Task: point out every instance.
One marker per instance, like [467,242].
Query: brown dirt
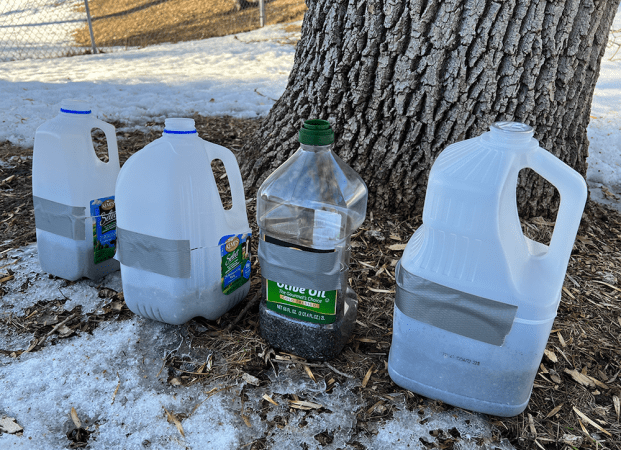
[148,22]
[576,390]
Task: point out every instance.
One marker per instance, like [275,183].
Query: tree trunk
[400,80]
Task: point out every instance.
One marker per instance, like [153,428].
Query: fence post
[262,13]
[90,27]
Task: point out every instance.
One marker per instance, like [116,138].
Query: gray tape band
[60,219]
[157,255]
[474,317]
[321,271]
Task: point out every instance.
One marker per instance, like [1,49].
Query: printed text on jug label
[103,212]
[309,305]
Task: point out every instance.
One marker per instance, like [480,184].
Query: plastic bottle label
[304,304]
[103,212]
[235,253]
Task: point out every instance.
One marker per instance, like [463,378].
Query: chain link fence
[54,28]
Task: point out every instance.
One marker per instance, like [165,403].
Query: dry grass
[148,22]
[575,400]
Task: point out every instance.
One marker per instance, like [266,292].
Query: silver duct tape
[167,257]
[321,271]
[464,314]
[60,219]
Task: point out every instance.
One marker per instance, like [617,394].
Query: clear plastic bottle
[182,254]
[306,211]
[476,299]
[73,195]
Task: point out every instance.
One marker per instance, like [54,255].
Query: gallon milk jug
[475,298]
[73,195]
[182,254]
[307,210]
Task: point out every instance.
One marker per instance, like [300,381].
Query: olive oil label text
[309,305]
[235,253]
[103,212]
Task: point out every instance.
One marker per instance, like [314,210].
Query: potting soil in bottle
[306,211]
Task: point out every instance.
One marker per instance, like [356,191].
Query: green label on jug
[103,212]
[235,253]
[304,304]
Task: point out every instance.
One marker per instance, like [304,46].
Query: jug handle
[232,171]
[573,191]
[110,132]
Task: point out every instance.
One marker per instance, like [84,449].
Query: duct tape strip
[167,257]
[474,317]
[321,271]
[60,219]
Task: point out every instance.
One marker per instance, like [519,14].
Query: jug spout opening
[514,131]
[179,126]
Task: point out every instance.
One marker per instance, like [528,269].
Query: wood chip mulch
[575,401]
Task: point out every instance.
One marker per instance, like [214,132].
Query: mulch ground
[575,400]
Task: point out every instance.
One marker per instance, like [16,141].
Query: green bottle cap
[316,132]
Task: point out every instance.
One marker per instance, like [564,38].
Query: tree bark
[400,80]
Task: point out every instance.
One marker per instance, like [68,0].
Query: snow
[112,377]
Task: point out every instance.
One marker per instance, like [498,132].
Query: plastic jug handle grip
[109,131]
[573,191]
[232,171]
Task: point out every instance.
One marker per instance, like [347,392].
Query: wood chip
[551,355]
[117,389]
[367,377]
[580,378]
[269,399]
[9,425]
[561,340]
[554,411]
[173,419]
[367,340]
[5,279]
[309,372]
[372,408]
[250,379]
[381,291]
[304,405]
[397,247]
[586,419]
[566,291]
[531,425]
[75,418]
[617,404]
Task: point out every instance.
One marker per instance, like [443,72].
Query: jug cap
[316,132]
[70,106]
[512,127]
[179,126]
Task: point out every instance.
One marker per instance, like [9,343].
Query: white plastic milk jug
[475,298]
[73,195]
[182,254]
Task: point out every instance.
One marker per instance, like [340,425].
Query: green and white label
[309,305]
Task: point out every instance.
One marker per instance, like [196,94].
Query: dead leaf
[173,419]
[9,425]
[555,377]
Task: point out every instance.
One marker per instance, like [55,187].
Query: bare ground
[575,400]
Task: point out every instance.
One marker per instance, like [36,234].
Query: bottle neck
[316,148]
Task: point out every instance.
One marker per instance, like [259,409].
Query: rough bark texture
[400,80]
